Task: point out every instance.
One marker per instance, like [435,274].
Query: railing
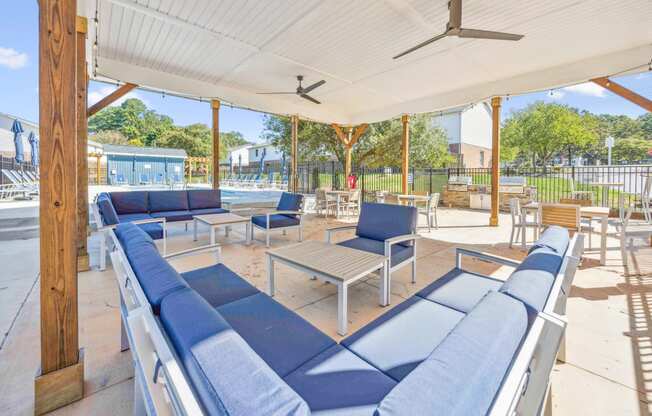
[11,164]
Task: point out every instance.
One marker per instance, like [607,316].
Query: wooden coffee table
[214,221]
[339,265]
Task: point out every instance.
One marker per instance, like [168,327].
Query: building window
[482,158]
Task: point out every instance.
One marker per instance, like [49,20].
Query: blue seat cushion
[204,198]
[289,202]
[134,217]
[459,289]
[168,201]
[340,382]
[281,337]
[383,221]
[107,211]
[533,278]
[204,211]
[401,339]
[154,230]
[225,373]
[399,253]
[218,284]
[555,238]
[134,202]
[463,374]
[172,216]
[275,221]
[129,234]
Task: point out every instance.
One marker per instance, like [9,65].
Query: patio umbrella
[283,164]
[239,164]
[262,162]
[231,164]
[17,129]
[33,142]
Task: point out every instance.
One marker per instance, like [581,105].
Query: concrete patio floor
[609,339]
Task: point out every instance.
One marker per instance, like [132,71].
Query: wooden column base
[83,263]
[59,388]
[493,222]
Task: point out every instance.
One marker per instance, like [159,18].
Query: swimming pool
[240,196]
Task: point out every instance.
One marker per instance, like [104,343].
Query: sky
[19,85]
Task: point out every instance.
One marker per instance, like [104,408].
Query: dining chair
[428,208]
[323,203]
[645,198]
[519,218]
[586,224]
[563,215]
[575,194]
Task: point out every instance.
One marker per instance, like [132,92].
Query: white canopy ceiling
[232,49]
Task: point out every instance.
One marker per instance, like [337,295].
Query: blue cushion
[154,230]
[459,289]
[157,278]
[134,202]
[107,211]
[463,374]
[168,201]
[227,376]
[555,238]
[281,337]
[383,221]
[401,339]
[340,382]
[218,284]
[399,253]
[134,217]
[172,216]
[129,234]
[290,202]
[533,278]
[275,221]
[204,211]
[204,198]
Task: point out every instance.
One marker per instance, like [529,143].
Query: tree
[232,139]
[110,137]
[631,150]
[317,141]
[646,125]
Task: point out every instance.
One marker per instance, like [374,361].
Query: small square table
[339,265]
[214,221]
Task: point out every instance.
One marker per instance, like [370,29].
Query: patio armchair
[286,216]
[389,230]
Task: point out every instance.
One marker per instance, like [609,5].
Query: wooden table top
[220,219]
[341,263]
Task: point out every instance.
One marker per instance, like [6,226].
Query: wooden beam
[340,133]
[82,147]
[359,131]
[495,159]
[115,95]
[215,106]
[405,153]
[347,158]
[626,93]
[294,121]
[58,208]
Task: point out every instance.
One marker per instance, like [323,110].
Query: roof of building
[114,149]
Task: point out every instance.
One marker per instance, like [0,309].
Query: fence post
[362,183]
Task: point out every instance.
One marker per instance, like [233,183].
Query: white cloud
[12,59]
[95,96]
[587,88]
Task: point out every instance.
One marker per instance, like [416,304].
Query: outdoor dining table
[412,200]
[585,212]
[340,196]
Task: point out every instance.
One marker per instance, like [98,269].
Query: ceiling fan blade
[421,45]
[455,10]
[487,34]
[273,93]
[309,98]
[313,86]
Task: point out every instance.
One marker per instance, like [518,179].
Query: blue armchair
[287,215]
[385,229]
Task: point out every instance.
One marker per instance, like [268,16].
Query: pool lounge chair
[144,179]
[286,216]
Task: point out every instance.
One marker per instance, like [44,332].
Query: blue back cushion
[107,211]
[226,374]
[129,202]
[204,198]
[533,278]
[383,221]
[464,373]
[290,202]
[168,201]
[130,234]
[555,238]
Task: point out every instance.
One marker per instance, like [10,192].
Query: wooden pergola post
[405,153]
[623,92]
[495,159]
[294,176]
[61,377]
[348,141]
[109,99]
[82,147]
[215,106]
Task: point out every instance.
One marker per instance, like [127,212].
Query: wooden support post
[405,153]
[61,377]
[99,169]
[348,141]
[495,159]
[627,94]
[82,147]
[106,101]
[347,158]
[215,106]
[294,177]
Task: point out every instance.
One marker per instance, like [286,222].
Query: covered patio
[237,54]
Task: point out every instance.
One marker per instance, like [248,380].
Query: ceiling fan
[454,28]
[301,91]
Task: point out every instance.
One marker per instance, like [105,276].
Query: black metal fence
[9,163]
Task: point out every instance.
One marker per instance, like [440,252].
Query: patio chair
[645,198]
[352,202]
[586,224]
[389,230]
[286,216]
[563,215]
[144,179]
[323,202]
[518,220]
[120,179]
[430,209]
[574,194]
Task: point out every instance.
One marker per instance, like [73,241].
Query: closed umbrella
[17,129]
[33,142]
[262,162]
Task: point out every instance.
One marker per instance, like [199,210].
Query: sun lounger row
[207,342]
[22,183]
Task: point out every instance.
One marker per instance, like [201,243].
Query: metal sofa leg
[561,353]
[414,270]
[267,238]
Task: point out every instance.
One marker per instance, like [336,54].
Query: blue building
[143,165]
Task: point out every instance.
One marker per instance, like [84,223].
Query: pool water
[250,196]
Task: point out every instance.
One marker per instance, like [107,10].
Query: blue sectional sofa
[464,345]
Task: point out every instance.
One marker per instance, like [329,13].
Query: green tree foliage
[632,149]
[110,137]
[646,125]
[317,141]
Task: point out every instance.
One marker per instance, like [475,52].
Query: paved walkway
[609,345]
